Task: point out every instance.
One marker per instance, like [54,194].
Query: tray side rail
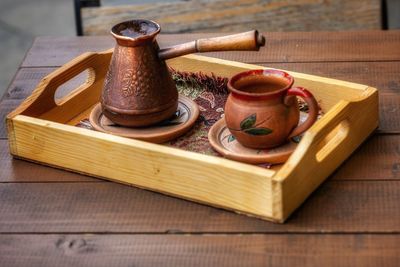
[42,100]
[323,148]
[201,178]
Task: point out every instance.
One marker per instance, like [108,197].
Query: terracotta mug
[262,110]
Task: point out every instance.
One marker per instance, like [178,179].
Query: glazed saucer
[225,143]
[184,118]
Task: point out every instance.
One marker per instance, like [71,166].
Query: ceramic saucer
[224,142]
[180,123]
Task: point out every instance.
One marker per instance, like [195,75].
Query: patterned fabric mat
[210,93]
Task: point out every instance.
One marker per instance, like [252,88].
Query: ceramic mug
[262,110]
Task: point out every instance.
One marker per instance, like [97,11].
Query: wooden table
[50,217]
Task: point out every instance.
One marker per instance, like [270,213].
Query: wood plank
[280,47]
[15,171]
[336,207]
[6,106]
[388,108]
[29,142]
[377,159]
[239,15]
[381,75]
[389,113]
[159,168]
[26,80]
[210,250]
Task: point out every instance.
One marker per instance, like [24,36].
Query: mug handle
[312,107]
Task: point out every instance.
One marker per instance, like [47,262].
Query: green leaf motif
[231,138]
[248,122]
[258,131]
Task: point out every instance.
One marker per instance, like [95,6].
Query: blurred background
[22,20]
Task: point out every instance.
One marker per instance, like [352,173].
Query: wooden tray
[42,129]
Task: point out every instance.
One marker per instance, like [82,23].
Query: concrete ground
[21,21]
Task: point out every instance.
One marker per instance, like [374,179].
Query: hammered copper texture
[138,82]
[138,89]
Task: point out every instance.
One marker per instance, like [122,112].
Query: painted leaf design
[231,138]
[258,131]
[248,122]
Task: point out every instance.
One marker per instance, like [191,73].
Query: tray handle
[322,139]
[42,98]
[324,147]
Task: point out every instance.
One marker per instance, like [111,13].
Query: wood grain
[279,47]
[353,115]
[332,139]
[377,159]
[6,106]
[172,171]
[389,108]
[389,113]
[239,15]
[245,41]
[16,171]
[336,207]
[381,75]
[389,120]
[26,80]
[210,250]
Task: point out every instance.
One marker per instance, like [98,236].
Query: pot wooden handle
[251,40]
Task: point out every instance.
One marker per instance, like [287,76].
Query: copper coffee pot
[138,89]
